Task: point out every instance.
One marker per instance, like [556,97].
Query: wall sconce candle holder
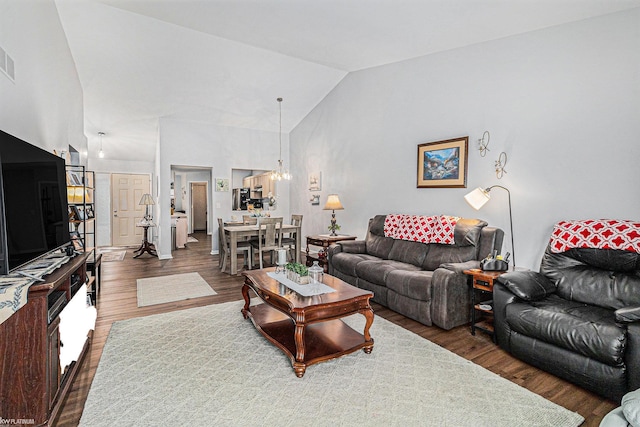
[500,164]
[483,143]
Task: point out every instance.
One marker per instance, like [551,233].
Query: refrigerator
[240,198]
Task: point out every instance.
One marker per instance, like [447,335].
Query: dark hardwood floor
[117,301]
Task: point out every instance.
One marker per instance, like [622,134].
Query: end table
[146,246]
[482,299]
[324,241]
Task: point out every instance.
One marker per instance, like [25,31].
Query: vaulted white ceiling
[226,61]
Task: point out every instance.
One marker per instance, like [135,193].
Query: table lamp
[146,201]
[333,204]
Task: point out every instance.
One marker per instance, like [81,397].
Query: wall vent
[7,66]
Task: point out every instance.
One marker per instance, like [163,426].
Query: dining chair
[224,248]
[289,240]
[249,220]
[269,237]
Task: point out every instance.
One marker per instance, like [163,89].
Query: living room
[562,102]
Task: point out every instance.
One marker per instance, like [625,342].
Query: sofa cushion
[468,231]
[588,330]
[377,244]
[409,252]
[377,271]
[580,276]
[413,284]
[440,254]
[346,262]
[528,285]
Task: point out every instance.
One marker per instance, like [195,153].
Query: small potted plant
[297,273]
[333,228]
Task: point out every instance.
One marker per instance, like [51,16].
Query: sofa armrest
[502,297]
[450,299]
[353,246]
[527,285]
[627,314]
[459,267]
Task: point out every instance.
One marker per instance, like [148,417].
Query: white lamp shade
[477,198]
[146,200]
[333,203]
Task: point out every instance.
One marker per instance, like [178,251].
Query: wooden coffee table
[308,329]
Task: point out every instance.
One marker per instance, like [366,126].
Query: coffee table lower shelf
[324,340]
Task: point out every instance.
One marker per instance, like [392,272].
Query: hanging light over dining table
[280,172]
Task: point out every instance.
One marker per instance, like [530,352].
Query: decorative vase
[316,273]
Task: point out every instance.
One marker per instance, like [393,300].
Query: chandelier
[280,172]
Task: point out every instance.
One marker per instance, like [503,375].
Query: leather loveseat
[423,281]
[579,317]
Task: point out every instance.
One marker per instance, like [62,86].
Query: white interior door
[126,192]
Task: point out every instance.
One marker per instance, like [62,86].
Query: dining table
[237,232]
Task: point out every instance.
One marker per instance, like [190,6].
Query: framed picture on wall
[315,181]
[222,184]
[443,164]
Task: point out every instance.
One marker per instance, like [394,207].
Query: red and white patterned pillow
[597,234]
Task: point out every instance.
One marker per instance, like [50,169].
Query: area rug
[191,239]
[113,256]
[208,366]
[177,287]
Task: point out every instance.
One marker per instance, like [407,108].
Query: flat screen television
[34,216]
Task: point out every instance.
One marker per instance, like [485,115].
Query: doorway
[126,193]
[199,206]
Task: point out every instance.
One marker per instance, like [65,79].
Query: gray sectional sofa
[422,281]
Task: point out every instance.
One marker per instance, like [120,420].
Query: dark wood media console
[32,386]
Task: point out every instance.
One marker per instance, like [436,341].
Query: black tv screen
[34,199]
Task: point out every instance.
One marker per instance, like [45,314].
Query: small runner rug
[177,287]
[208,366]
[113,256]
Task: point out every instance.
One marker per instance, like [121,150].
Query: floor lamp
[477,199]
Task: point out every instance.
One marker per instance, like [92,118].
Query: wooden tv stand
[32,387]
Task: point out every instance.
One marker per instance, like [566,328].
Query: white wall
[563,103]
[222,149]
[44,104]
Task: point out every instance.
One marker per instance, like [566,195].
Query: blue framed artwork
[443,164]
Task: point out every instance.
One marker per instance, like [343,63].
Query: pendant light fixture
[101,153]
[280,173]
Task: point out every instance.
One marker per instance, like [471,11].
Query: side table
[146,246]
[481,292]
[324,241]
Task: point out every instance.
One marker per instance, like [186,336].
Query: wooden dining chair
[249,220]
[289,240]
[269,237]
[224,249]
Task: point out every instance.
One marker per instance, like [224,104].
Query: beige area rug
[113,256]
[191,239]
[177,287]
[208,366]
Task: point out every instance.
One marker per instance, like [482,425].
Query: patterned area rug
[208,366]
[113,256]
[177,287]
